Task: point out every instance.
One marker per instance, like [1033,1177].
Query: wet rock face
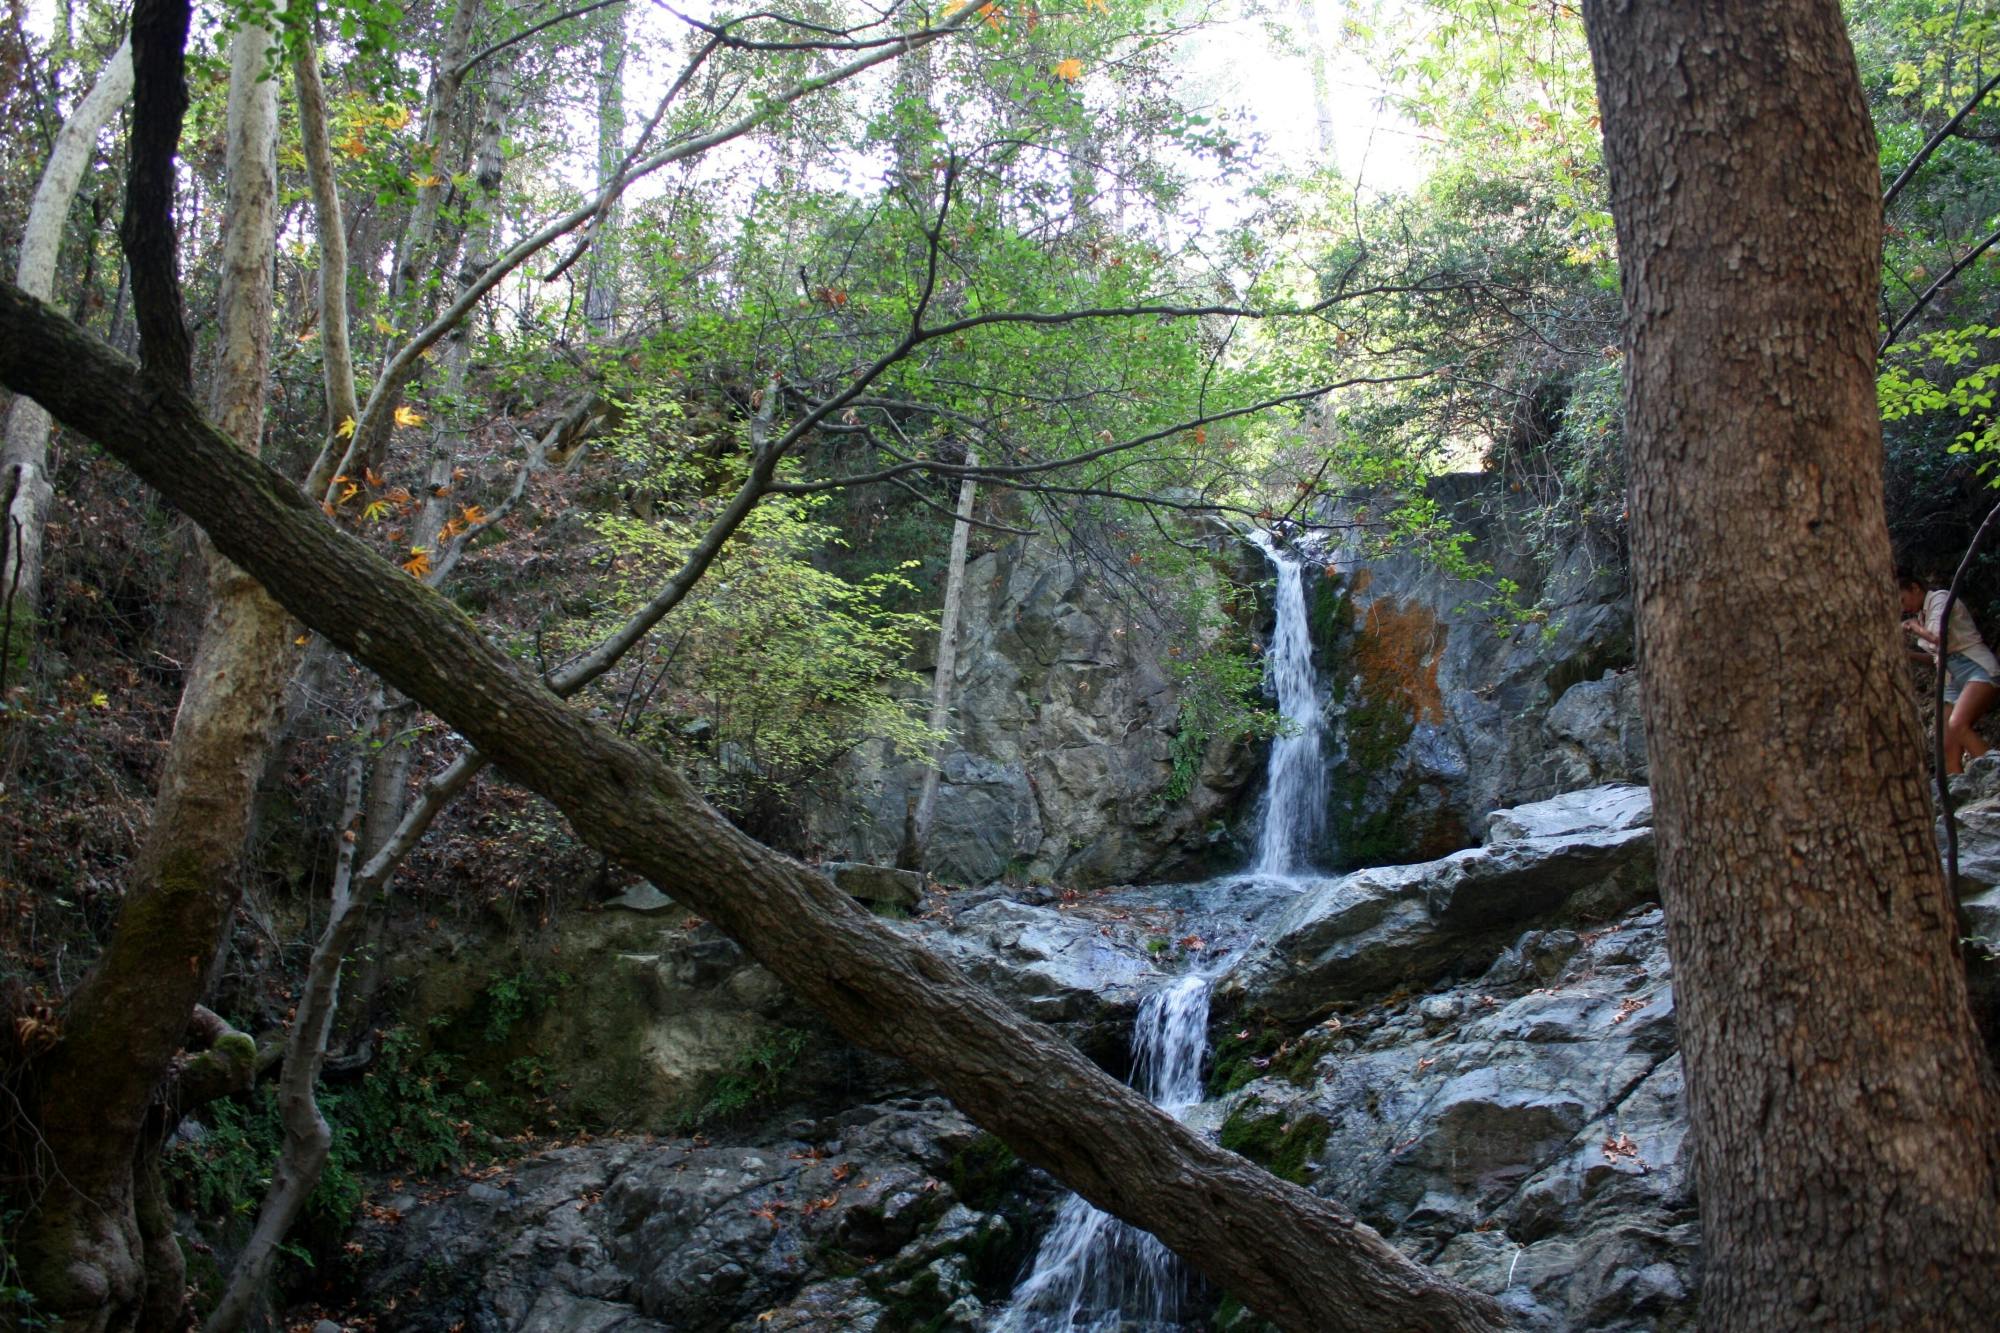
[1438,713]
[1524,1133]
[886,1217]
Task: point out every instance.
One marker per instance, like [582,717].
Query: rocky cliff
[1061,763]
[1061,758]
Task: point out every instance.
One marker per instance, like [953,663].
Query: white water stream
[1294,805]
[1094,1273]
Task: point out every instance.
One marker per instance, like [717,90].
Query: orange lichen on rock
[1396,654]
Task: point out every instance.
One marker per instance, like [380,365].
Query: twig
[1896,329]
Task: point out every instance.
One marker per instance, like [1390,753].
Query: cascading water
[1094,1273]
[1294,807]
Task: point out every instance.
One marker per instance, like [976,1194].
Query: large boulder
[1575,858]
[883,1217]
[1524,1133]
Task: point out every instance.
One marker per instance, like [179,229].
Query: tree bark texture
[1845,1119]
[1299,1260]
[90,1251]
[24,452]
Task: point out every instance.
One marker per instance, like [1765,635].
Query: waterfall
[1294,807]
[1094,1273]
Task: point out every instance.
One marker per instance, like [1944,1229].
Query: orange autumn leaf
[372,477]
[1201,435]
[1070,70]
[996,17]
[419,563]
[473,515]
[409,416]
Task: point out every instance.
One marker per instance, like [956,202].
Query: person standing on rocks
[1972,673]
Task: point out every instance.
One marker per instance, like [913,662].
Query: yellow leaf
[1101,6]
[376,511]
[1069,71]
[473,515]
[348,494]
[426,181]
[393,117]
[301,641]
[419,563]
[955,6]
[345,430]
[383,326]
[100,700]
[409,416]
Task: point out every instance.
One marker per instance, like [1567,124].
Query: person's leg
[1961,740]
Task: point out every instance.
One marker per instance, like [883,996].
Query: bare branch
[401,367]
[466,65]
[1896,329]
[1935,141]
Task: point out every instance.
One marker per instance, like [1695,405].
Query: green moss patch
[1262,1049]
[1280,1146]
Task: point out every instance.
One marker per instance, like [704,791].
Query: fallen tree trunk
[1302,1261]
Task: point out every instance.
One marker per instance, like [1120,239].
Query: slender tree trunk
[1322,85]
[96,1250]
[1845,1119]
[947,665]
[600,292]
[24,451]
[414,246]
[336,342]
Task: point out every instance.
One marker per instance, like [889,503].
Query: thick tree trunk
[24,450]
[1300,1260]
[1845,1117]
[98,1256]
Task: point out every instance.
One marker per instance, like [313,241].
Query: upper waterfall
[1295,790]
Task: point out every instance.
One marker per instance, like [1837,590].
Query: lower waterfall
[1094,1273]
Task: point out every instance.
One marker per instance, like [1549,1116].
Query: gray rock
[642,898]
[1536,1149]
[696,1237]
[1064,750]
[1364,934]
[883,886]
[1596,809]
[1442,711]
[1598,726]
